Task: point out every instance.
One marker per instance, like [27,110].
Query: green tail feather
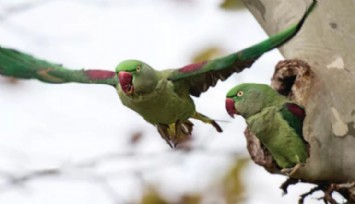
[20,65]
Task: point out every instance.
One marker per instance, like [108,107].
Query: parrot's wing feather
[17,64]
[200,76]
[294,115]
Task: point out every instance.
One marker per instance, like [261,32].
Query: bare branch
[84,170]
[11,10]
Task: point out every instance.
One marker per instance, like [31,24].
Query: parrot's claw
[286,171]
[176,133]
[291,171]
[163,130]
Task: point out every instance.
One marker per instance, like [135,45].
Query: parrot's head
[136,78]
[248,99]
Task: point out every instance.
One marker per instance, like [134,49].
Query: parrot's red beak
[230,107]
[125,79]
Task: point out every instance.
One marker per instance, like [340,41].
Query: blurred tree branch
[7,11]
[85,170]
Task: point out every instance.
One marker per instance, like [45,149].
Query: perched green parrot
[163,98]
[275,121]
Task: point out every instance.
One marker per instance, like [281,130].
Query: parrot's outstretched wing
[200,76]
[294,115]
[17,64]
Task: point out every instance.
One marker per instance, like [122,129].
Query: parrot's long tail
[205,119]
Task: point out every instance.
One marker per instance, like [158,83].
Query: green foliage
[232,184]
[207,54]
[232,5]
[152,197]
[230,188]
[191,199]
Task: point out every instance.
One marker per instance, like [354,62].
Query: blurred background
[76,143]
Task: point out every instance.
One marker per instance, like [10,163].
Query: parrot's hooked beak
[230,107]
[125,79]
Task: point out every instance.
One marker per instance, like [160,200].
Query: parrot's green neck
[146,80]
[258,106]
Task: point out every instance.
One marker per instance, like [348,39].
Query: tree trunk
[327,43]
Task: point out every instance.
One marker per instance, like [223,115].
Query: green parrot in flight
[275,121]
[163,98]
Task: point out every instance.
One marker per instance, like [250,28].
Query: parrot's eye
[240,93]
[138,68]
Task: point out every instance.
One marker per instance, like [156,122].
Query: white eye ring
[138,68]
[240,93]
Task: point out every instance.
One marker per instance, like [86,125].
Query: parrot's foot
[176,133]
[291,171]
[164,133]
[182,132]
[205,119]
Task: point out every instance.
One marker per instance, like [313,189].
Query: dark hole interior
[287,83]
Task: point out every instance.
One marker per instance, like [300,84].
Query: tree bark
[327,43]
